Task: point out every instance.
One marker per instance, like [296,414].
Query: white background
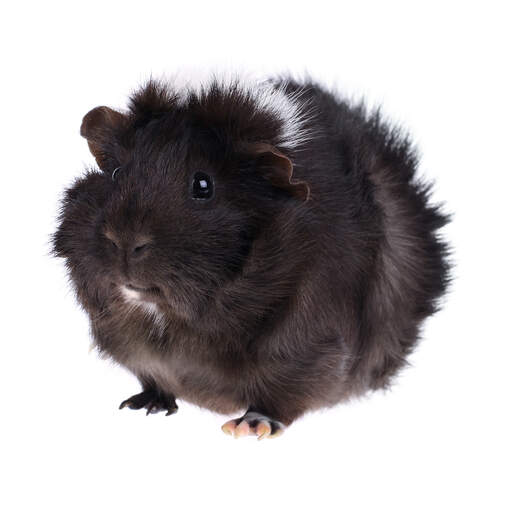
[440,436]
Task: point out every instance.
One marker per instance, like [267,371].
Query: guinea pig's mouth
[151,289]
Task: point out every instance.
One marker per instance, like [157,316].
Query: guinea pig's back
[380,225]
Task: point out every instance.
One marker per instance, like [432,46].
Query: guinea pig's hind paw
[154,402]
[253,424]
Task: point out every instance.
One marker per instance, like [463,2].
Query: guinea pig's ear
[278,169]
[98,127]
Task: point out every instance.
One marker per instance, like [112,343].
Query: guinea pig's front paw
[253,424]
[153,402]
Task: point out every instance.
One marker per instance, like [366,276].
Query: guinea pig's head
[184,186]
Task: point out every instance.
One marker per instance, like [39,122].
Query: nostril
[140,248]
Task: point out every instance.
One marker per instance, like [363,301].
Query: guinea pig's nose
[138,249]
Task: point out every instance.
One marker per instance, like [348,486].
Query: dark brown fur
[302,282]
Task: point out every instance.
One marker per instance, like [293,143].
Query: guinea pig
[265,248]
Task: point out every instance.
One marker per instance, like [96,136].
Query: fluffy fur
[302,281]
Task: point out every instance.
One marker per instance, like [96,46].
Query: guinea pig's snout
[130,248]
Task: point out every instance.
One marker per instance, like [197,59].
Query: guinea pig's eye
[202,186]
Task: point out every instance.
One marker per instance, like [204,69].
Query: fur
[303,281]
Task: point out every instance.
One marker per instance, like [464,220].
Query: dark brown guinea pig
[262,247]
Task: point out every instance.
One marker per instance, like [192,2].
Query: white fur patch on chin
[129,294]
[133,297]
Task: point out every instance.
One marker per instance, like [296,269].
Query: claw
[263,430]
[127,404]
[229,428]
[151,408]
[242,429]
